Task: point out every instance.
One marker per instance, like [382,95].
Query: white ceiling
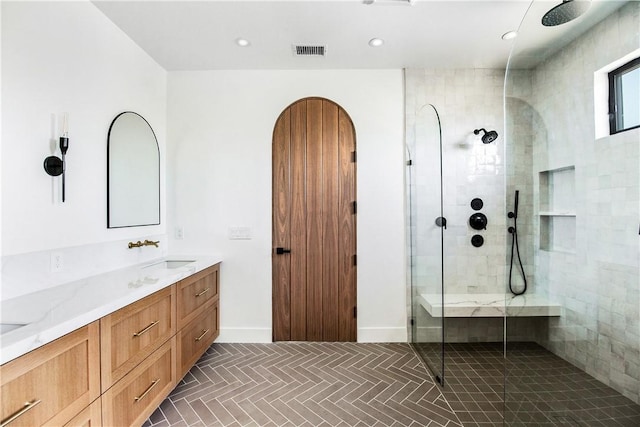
[200,35]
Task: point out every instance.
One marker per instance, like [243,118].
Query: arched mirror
[133,173]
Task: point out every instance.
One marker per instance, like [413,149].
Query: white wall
[219,149]
[66,57]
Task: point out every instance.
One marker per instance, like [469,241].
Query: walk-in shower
[539,325]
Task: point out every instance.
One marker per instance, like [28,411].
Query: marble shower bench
[489,305]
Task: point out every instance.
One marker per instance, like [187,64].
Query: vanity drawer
[133,332]
[134,398]
[197,336]
[194,292]
[53,383]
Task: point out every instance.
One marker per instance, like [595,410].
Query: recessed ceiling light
[376,42]
[510,35]
[242,42]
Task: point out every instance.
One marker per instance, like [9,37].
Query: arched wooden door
[314,223]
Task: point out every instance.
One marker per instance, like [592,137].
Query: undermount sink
[8,327]
[170,264]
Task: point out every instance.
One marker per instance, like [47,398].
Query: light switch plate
[240,233]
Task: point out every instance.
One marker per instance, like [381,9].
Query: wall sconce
[54,165]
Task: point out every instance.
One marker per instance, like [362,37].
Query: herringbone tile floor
[306,384]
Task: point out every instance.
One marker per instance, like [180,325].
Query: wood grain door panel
[298,215]
[281,222]
[314,286]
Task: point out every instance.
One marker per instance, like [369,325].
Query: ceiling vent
[389,2]
[309,50]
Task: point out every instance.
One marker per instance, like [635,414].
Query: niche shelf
[557,210]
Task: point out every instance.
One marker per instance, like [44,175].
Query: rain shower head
[488,137]
[566,11]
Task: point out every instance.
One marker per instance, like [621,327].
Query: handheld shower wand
[514,244]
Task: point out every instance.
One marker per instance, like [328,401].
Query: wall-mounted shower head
[566,11]
[488,137]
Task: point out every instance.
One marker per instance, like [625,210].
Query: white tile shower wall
[518,159]
[599,285]
[31,272]
[466,99]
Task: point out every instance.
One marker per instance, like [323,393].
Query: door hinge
[355,312]
[354,157]
[412,321]
[355,260]
[409,162]
[355,207]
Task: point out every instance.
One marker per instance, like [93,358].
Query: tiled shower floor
[374,385]
[541,389]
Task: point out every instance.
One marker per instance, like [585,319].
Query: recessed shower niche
[558,209]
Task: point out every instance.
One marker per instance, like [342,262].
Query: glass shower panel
[573,337]
[427,225]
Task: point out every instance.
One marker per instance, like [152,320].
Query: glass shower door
[427,225]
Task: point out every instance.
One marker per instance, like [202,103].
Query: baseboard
[263,335]
[245,335]
[382,334]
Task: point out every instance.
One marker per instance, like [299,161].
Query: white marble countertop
[51,313]
[489,305]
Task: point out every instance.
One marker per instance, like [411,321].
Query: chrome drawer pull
[27,407]
[202,336]
[145,330]
[142,396]
[202,293]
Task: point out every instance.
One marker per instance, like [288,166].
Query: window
[624,97]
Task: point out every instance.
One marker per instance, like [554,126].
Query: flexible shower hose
[514,243]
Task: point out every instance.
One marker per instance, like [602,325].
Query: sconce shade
[53,165]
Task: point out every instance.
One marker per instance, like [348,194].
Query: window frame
[615,97]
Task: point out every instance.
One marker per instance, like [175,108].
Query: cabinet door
[133,332]
[196,337]
[195,291]
[134,398]
[53,383]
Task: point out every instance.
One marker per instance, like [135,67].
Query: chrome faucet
[139,244]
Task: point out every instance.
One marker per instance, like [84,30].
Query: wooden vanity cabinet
[195,338]
[117,370]
[63,376]
[198,316]
[134,398]
[130,334]
[195,291]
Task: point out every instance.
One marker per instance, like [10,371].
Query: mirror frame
[108,173]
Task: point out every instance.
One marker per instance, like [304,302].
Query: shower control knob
[477,241]
[478,221]
[477,204]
